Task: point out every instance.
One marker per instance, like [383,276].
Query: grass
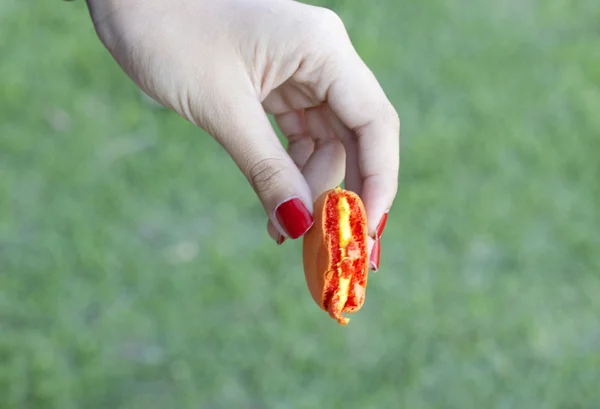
[131,276]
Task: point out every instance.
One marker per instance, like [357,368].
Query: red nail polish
[375,253]
[381,226]
[294,217]
[281,239]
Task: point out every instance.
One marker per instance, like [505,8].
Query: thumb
[244,130]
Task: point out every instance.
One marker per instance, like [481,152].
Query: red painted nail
[281,239]
[375,253]
[294,217]
[381,226]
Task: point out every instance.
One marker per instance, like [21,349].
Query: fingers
[354,181]
[246,133]
[324,167]
[353,178]
[274,233]
[357,99]
[300,144]
[300,147]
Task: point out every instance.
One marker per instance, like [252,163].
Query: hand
[225,64]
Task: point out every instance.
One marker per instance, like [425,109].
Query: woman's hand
[224,64]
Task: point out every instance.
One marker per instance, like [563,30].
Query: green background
[133,277]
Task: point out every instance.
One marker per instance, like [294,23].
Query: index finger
[358,100]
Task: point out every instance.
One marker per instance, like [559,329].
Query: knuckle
[264,175]
[391,117]
[330,19]
[327,28]
[393,191]
[396,120]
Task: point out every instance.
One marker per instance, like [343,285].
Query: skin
[225,64]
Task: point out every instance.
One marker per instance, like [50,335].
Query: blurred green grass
[131,276]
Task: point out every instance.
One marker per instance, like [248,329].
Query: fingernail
[281,239]
[374,260]
[381,226]
[294,217]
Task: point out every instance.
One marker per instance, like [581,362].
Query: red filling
[354,269]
